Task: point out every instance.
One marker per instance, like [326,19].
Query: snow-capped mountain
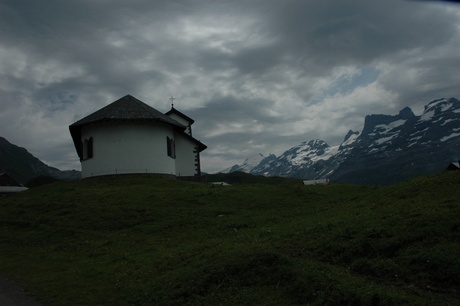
[307,159]
[390,148]
[394,148]
[247,165]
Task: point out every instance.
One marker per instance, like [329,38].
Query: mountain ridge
[389,149]
[24,167]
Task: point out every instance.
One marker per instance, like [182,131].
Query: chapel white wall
[179,119]
[185,160]
[128,148]
[182,121]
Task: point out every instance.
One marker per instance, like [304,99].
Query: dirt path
[12,294]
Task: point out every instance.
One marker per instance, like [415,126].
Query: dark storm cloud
[257,76]
[330,32]
[79,33]
[221,108]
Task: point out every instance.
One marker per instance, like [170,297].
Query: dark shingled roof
[175,111]
[127,108]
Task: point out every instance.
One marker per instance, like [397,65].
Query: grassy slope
[155,241]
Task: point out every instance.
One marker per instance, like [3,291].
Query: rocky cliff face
[389,149]
[394,148]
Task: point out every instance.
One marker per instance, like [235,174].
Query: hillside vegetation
[146,240]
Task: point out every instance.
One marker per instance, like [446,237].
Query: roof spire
[172,101]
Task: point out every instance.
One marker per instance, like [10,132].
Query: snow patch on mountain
[247,165]
[313,151]
[328,154]
[428,115]
[450,136]
[382,140]
[385,128]
[414,141]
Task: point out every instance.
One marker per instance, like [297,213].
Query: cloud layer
[257,76]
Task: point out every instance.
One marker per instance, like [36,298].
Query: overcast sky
[258,76]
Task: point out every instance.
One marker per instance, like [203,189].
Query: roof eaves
[201,145]
[180,114]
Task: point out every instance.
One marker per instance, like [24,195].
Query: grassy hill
[145,240]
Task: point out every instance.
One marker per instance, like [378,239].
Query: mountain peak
[371,122]
[3,141]
[247,165]
[406,113]
[317,143]
[349,134]
[440,104]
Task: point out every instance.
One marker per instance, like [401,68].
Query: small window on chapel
[88,148]
[171,147]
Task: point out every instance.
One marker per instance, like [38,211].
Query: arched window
[88,148]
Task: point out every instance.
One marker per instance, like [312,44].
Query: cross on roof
[172,100]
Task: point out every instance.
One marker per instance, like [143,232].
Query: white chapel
[129,136]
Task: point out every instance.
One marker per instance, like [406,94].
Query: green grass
[145,240]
